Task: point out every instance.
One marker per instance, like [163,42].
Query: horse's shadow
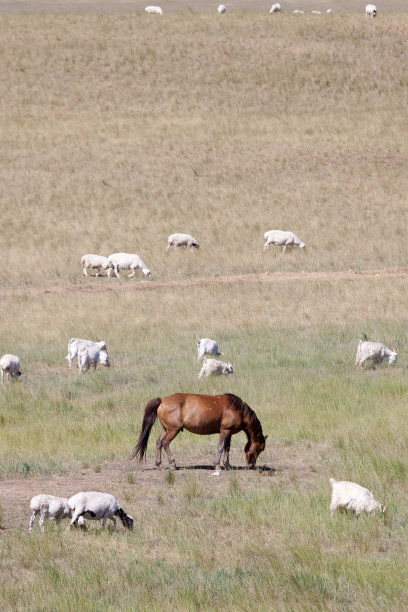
[231,468]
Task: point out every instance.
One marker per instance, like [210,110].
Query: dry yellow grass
[117,131]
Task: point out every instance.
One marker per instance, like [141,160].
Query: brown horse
[201,414]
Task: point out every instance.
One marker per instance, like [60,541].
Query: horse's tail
[149,418]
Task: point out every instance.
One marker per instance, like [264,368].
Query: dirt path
[265,277]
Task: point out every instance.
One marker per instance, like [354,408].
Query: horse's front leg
[227,445]
[221,445]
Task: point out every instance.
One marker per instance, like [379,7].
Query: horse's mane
[250,417]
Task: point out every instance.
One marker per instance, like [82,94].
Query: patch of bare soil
[265,277]
[292,466]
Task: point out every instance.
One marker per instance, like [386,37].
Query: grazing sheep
[96,506]
[330,11]
[154,10]
[316,12]
[275,8]
[371,10]
[182,240]
[91,355]
[221,9]
[128,261]
[281,238]
[94,262]
[206,346]
[48,506]
[213,367]
[10,364]
[352,496]
[75,343]
[297,12]
[374,351]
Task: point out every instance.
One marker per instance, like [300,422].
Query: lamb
[221,9]
[213,367]
[182,240]
[94,262]
[275,8]
[75,343]
[48,506]
[282,238]
[154,10]
[352,496]
[10,364]
[91,355]
[374,351]
[128,261]
[96,506]
[371,10]
[206,346]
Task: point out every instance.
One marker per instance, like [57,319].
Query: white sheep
[275,8]
[213,367]
[316,12]
[182,240]
[75,343]
[48,506]
[330,11]
[297,12]
[97,506]
[221,9]
[352,496]
[10,364]
[371,10]
[375,352]
[154,10]
[92,355]
[206,346]
[94,262]
[128,261]
[282,238]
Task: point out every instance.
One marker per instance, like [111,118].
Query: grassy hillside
[118,130]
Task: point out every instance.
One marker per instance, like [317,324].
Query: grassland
[118,130]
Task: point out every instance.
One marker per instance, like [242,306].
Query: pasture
[118,129]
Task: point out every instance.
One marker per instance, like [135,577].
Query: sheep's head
[104,358]
[230,368]
[147,272]
[393,357]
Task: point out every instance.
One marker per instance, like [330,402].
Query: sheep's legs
[42,517]
[85,272]
[32,519]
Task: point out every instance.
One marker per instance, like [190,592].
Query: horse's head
[253,449]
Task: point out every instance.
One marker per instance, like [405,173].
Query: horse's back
[198,413]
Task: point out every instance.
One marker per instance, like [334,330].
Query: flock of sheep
[91,505]
[370,10]
[96,506]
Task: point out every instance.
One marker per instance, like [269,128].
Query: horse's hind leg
[159,445]
[170,435]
